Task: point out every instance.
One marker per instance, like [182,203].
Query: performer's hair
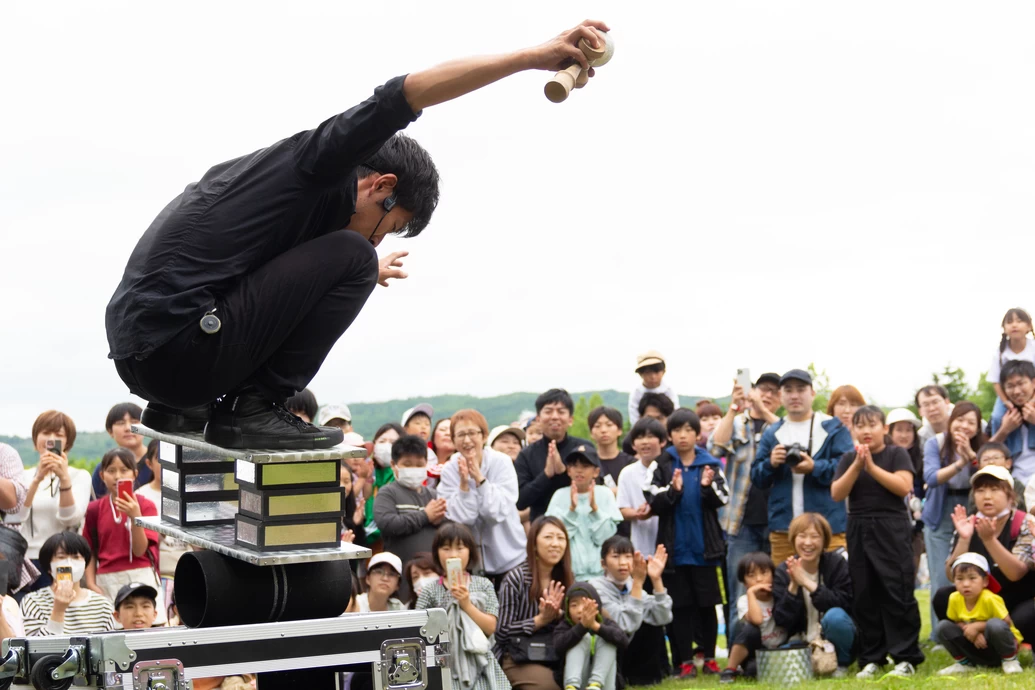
[417,190]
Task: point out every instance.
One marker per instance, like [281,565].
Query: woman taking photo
[65,608]
[531,598]
[57,494]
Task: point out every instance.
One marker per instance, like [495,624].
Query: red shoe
[687,672]
[710,668]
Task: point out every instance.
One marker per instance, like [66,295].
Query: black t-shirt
[756,510]
[868,498]
[614,466]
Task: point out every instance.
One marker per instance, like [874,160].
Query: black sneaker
[728,675]
[247,420]
[171,420]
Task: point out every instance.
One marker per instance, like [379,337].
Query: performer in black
[233,297]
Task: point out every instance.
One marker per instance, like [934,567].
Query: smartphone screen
[64,572]
[453,571]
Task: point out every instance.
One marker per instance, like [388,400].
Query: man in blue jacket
[796,460]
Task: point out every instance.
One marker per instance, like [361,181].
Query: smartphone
[454,572]
[124,488]
[54,446]
[64,572]
[744,379]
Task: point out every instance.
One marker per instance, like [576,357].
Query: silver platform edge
[220,538]
[257,456]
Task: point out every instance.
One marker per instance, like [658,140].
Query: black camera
[794,455]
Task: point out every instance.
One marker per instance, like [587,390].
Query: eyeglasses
[468,434]
[385,573]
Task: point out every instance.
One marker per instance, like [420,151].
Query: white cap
[506,429]
[329,412]
[901,414]
[422,407]
[386,557]
[353,439]
[973,559]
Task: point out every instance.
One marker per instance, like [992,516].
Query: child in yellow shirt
[977,630]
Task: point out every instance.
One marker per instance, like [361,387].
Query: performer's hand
[391,267]
[562,50]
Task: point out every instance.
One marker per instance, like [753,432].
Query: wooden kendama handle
[574,77]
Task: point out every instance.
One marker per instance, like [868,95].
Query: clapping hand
[551,600]
[677,479]
[657,562]
[985,527]
[574,497]
[435,510]
[465,472]
[707,475]
[863,457]
[590,609]
[639,569]
[963,524]
[348,536]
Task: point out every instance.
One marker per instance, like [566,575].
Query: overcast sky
[757,184]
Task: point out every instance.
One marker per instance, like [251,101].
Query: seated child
[757,628]
[589,641]
[588,510]
[640,612]
[136,606]
[977,630]
[997,454]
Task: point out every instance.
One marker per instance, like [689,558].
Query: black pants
[1022,613]
[885,610]
[695,591]
[279,323]
[1001,643]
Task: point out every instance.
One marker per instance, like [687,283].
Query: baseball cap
[981,562]
[768,377]
[997,471]
[418,408]
[352,439]
[329,412]
[583,451]
[901,414]
[385,557]
[648,358]
[136,589]
[796,375]
[506,429]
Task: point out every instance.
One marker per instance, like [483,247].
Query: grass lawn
[985,679]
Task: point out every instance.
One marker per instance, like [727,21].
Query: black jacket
[834,591]
[241,215]
[535,489]
[566,634]
[664,500]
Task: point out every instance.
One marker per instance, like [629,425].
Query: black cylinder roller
[214,590]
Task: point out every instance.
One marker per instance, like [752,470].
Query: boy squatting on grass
[757,628]
[978,630]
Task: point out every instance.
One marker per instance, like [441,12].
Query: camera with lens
[794,452]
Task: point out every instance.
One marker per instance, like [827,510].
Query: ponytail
[1002,347]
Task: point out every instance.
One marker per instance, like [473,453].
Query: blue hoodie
[688,543]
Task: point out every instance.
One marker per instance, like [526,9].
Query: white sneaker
[938,648]
[903,669]
[1012,666]
[957,669]
[841,672]
[869,672]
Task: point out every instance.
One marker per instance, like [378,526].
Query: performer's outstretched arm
[458,77]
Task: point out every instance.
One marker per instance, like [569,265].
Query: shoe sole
[170,423]
[230,437]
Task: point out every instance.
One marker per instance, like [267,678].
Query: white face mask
[383,454]
[411,477]
[620,583]
[78,568]
[421,582]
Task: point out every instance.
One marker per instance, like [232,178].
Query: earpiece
[389,203]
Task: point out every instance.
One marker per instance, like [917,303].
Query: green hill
[367,417]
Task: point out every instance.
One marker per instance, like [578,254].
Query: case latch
[403,665]
[161,674]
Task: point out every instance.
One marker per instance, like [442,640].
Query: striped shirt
[81,618]
[517,610]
